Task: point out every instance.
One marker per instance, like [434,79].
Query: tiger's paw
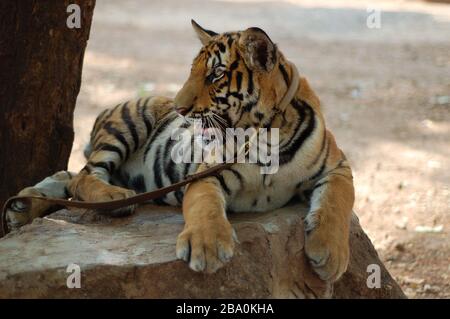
[328,251]
[208,246]
[23,212]
[112,193]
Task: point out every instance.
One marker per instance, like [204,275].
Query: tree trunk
[41,60]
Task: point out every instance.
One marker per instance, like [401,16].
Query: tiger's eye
[218,71]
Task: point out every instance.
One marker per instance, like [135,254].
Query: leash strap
[115,204]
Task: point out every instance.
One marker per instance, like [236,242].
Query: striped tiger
[237,81]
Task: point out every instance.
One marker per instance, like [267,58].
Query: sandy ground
[385,93]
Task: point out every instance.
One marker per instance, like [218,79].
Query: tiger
[238,78]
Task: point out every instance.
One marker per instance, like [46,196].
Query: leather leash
[114,204]
[143,197]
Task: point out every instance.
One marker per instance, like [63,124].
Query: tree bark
[41,61]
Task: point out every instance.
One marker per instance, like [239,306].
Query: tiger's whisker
[219,122]
[219,118]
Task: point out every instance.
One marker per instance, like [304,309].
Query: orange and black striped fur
[238,78]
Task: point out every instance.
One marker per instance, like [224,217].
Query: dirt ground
[385,92]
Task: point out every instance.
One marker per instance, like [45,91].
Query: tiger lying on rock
[238,80]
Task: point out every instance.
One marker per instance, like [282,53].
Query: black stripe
[250,82]
[97,120]
[322,167]
[104,120]
[285,74]
[301,118]
[87,169]
[217,53]
[159,201]
[288,153]
[148,124]
[110,148]
[319,185]
[238,80]
[210,33]
[237,95]
[249,106]
[119,136]
[126,117]
[171,170]
[124,179]
[179,196]
[138,104]
[158,131]
[138,184]
[237,174]
[319,172]
[187,166]
[112,167]
[158,176]
[221,47]
[223,184]
[259,115]
[322,148]
[185,125]
[157,169]
[307,194]
[221,86]
[221,100]
[66,192]
[230,41]
[234,65]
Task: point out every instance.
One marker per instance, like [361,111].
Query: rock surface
[134,257]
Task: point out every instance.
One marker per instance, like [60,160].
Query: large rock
[135,257]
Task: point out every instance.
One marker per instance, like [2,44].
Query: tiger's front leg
[207,241]
[327,224]
[92,188]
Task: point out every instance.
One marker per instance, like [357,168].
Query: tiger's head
[236,80]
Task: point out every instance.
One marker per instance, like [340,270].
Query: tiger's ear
[258,50]
[203,34]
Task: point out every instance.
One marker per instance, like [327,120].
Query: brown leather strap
[114,204]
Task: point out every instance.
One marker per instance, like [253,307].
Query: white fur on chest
[260,192]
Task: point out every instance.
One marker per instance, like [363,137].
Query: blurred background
[385,93]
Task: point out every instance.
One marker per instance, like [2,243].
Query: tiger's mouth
[183,110]
[209,120]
